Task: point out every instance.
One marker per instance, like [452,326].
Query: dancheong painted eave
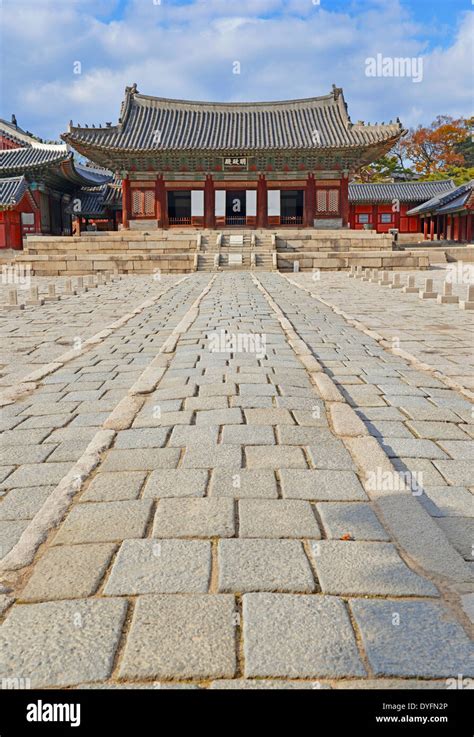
[154,124]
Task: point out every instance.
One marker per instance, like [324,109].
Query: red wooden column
[397,217]
[262,202]
[160,199]
[469,227]
[425,228]
[125,201]
[375,218]
[209,203]
[432,228]
[344,206]
[310,202]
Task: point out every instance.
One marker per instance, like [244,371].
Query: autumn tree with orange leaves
[441,150]
[438,147]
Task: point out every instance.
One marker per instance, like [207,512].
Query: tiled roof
[155,123]
[402,191]
[457,204]
[53,162]
[445,202]
[113,193]
[17,134]
[92,203]
[32,157]
[91,174]
[12,190]
[96,200]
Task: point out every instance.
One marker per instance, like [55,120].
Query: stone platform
[186,251]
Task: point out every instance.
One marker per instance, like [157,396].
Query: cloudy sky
[71,59]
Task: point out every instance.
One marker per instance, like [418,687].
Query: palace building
[215,165]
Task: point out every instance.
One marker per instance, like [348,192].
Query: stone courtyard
[237,480]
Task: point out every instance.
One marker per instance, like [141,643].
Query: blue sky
[71,59]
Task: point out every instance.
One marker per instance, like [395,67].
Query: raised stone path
[290,510]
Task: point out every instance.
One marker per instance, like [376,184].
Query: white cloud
[286,48]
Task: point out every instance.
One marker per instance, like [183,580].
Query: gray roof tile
[155,123]
[446,202]
[31,157]
[12,190]
[402,191]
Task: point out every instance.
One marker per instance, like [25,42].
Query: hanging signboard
[235,163]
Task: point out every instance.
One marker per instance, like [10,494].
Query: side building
[40,186]
[382,206]
[448,215]
[215,165]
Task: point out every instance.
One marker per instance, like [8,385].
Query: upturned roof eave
[81,146]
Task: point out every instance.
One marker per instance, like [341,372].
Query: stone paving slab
[244,483]
[165,567]
[346,568]
[321,485]
[176,482]
[399,637]
[80,638]
[178,636]
[262,518]
[104,522]
[114,486]
[358,521]
[141,459]
[68,572]
[263,565]
[10,533]
[194,518]
[20,504]
[298,637]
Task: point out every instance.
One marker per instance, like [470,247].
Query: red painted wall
[407,223]
[11,230]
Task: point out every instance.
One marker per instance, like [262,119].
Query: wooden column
[125,201]
[209,203]
[375,217]
[397,218]
[432,228]
[425,228]
[262,204]
[344,205]
[160,199]
[469,227]
[310,202]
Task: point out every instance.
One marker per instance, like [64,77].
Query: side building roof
[52,163]
[401,191]
[12,190]
[454,200]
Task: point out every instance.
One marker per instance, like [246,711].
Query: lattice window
[149,202]
[137,202]
[143,202]
[321,200]
[333,200]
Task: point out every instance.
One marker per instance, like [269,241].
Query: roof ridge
[235,103]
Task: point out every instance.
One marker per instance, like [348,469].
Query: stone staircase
[234,251]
